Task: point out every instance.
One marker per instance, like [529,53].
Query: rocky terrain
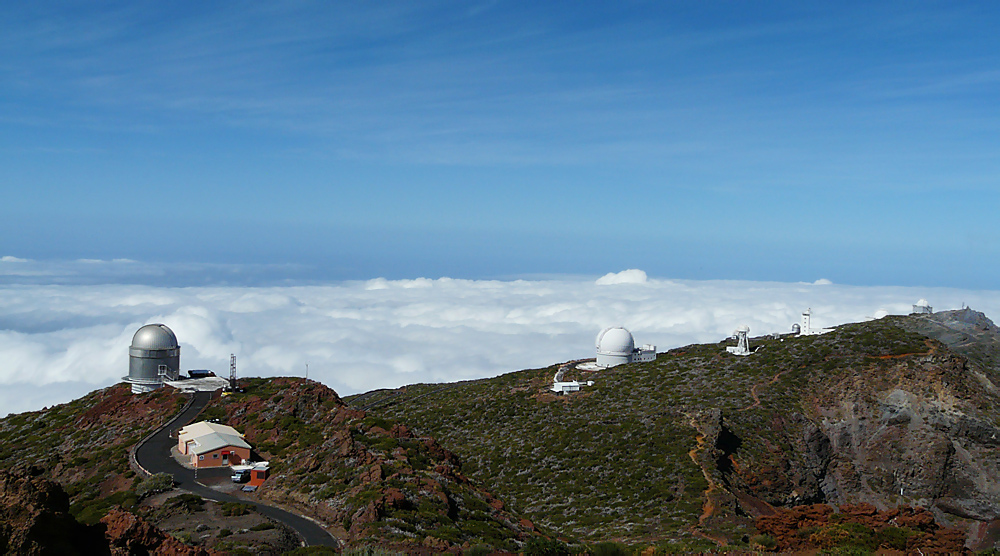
[83,445]
[858,528]
[368,479]
[688,450]
[882,435]
[35,519]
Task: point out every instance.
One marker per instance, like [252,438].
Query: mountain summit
[877,434]
[696,445]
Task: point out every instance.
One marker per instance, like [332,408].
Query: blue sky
[755,141]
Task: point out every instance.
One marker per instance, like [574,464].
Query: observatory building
[153,358]
[806,329]
[923,307]
[742,343]
[615,346]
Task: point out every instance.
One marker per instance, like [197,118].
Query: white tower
[742,344]
[806,329]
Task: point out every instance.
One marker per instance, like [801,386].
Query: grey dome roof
[154,336]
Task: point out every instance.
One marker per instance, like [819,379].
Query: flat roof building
[212,445]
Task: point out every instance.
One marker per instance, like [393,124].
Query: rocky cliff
[35,520]
[694,446]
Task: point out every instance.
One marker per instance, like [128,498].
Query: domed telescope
[614,346]
[153,357]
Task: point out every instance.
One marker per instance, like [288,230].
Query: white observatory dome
[615,341]
[154,336]
[922,303]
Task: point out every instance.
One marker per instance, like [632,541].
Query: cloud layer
[60,341]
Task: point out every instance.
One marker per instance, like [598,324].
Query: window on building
[201,457]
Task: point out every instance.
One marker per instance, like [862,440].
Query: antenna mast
[232,372]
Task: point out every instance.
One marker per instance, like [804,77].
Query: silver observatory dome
[154,336]
[153,357]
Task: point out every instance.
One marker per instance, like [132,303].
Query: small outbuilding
[212,445]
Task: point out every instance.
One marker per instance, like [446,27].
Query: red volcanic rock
[805,528]
[400,431]
[130,534]
[35,519]
[372,474]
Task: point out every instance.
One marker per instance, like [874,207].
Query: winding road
[154,456]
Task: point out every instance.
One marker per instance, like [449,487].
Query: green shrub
[546,547]
[766,541]
[187,502]
[236,508]
[368,551]
[609,549]
[161,482]
[262,526]
[478,550]
[893,537]
[224,533]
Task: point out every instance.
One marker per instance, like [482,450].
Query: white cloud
[58,342]
[630,276]
[10,259]
[822,282]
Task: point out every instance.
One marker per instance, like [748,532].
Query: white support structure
[807,329]
[742,344]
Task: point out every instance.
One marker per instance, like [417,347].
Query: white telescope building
[615,346]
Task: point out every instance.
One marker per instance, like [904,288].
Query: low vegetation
[651,451]
[83,445]
[367,476]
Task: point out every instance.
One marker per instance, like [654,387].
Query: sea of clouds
[59,341]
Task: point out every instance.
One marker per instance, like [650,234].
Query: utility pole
[307,371]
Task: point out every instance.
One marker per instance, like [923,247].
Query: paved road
[154,456]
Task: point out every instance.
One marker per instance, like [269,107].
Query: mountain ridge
[682,454]
[846,417]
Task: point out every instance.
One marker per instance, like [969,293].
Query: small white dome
[922,303]
[615,341]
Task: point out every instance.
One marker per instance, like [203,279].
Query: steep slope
[366,478]
[83,445]
[966,332]
[35,519]
[699,442]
